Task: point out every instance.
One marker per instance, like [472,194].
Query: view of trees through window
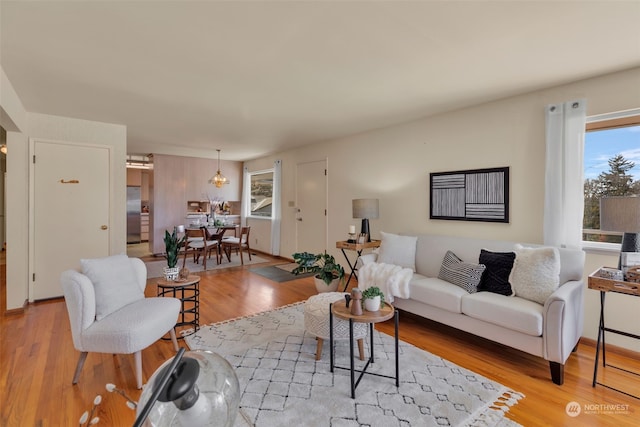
[612,168]
[261,194]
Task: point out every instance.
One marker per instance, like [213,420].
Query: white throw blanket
[392,280]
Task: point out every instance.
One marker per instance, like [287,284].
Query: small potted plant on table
[172,244]
[328,273]
[373,298]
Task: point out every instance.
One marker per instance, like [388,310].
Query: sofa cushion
[436,292]
[463,274]
[398,250]
[536,273]
[114,281]
[516,313]
[496,276]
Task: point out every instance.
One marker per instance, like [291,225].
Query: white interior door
[70,211]
[311,202]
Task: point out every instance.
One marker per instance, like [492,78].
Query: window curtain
[564,174]
[245,203]
[276,208]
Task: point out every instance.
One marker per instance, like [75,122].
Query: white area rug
[154,268]
[283,385]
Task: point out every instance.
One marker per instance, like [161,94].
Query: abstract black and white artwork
[471,195]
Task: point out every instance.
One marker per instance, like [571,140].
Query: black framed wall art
[470,195]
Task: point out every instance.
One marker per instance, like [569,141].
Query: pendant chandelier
[219,180]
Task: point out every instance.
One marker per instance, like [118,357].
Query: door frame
[31,214]
[326,202]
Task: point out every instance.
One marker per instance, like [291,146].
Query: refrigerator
[133,214]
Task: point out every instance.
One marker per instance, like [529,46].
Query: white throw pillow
[398,250]
[536,273]
[114,282]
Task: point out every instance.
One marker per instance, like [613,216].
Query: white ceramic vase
[372,304]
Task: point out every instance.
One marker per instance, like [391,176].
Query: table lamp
[618,213]
[366,209]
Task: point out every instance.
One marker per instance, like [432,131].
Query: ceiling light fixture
[219,180]
[135,161]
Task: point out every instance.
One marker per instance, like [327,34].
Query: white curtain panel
[276,208]
[245,203]
[564,174]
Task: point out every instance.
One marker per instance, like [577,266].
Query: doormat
[277,274]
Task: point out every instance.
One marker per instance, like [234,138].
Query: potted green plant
[328,273]
[373,298]
[172,244]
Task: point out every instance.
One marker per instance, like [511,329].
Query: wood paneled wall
[175,180]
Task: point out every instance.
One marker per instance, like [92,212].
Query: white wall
[13,118]
[21,125]
[393,165]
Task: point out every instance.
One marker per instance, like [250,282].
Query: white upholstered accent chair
[109,313]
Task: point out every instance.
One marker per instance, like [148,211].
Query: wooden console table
[605,285]
[358,248]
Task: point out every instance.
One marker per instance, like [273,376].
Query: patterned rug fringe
[492,415]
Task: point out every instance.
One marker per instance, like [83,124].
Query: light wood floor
[38,360]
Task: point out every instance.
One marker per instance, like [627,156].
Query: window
[611,172]
[261,194]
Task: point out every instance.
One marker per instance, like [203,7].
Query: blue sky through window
[600,146]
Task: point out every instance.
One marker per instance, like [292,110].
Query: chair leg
[174,340]
[81,360]
[137,356]
[248,250]
[204,258]
[241,259]
[361,348]
[319,348]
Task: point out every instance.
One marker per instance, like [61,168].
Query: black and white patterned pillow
[460,273]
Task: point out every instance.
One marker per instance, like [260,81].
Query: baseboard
[612,348]
[19,310]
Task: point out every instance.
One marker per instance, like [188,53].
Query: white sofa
[550,331]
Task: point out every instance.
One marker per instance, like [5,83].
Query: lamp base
[630,243]
[364,229]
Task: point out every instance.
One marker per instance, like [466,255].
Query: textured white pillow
[114,282]
[398,250]
[536,273]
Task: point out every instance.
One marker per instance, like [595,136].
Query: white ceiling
[257,77]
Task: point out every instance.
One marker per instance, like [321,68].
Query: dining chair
[198,244]
[238,244]
[109,313]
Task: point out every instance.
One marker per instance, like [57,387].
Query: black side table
[188,292]
[340,310]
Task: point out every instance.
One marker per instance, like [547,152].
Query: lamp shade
[365,208]
[620,214]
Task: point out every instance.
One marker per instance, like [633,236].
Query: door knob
[103,227]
